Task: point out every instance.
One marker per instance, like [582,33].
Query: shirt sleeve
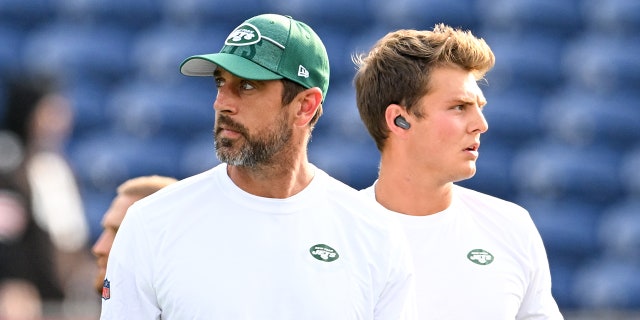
[538,302]
[130,293]
[398,300]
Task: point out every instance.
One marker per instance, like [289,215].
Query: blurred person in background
[41,119]
[128,192]
[27,269]
[476,256]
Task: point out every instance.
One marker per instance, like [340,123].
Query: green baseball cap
[268,47]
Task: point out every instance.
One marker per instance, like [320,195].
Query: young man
[476,256]
[265,234]
[128,192]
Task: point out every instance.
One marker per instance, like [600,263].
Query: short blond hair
[397,70]
[144,186]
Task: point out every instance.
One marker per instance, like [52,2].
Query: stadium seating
[10,42]
[132,15]
[525,60]
[204,12]
[513,115]
[88,104]
[615,16]
[146,109]
[78,52]
[629,173]
[607,284]
[424,14]
[560,171]
[551,17]
[26,14]
[579,116]
[157,52]
[619,230]
[603,62]
[493,175]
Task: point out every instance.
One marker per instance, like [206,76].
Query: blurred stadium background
[564,111]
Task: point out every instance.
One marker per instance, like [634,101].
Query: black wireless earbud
[401,122]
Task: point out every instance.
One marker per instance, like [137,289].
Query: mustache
[229,124]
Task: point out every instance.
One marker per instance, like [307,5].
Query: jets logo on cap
[244,35]
[247,34]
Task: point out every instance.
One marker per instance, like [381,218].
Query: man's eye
[219,82]
[246,85]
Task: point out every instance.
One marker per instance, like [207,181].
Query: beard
[252,150]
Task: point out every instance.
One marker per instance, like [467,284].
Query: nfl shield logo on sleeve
[106,290]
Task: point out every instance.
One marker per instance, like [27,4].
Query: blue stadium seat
[198,155]
[144,108]
[340,143]
[354,163]
[629,173]
[336,41]
[493,170]
[608,284]
[513,115]
[78,52]
[567,227]
[619,230]
[617,16]
[424,14]
[157,52]
[88,101]
[11,40]
[106,158]
[133,15]
[563,271]
[340,117]
[26,14]
[525,60]
[350,16]
[603,62]
[205,12]
[550,17]
[559,171]
[581,117]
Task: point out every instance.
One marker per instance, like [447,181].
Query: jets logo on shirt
[480,256]
[323,252]
[106,289]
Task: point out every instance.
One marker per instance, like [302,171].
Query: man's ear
[308,101]
[395,117]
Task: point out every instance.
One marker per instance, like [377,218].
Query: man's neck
[277,180]
[412,194]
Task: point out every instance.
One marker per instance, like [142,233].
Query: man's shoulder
[176,193]
[490,208]
[466,194]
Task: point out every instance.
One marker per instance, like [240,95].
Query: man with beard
[265,234]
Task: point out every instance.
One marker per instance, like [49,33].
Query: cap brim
[204,65]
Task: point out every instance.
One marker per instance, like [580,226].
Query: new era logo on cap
[303,72]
